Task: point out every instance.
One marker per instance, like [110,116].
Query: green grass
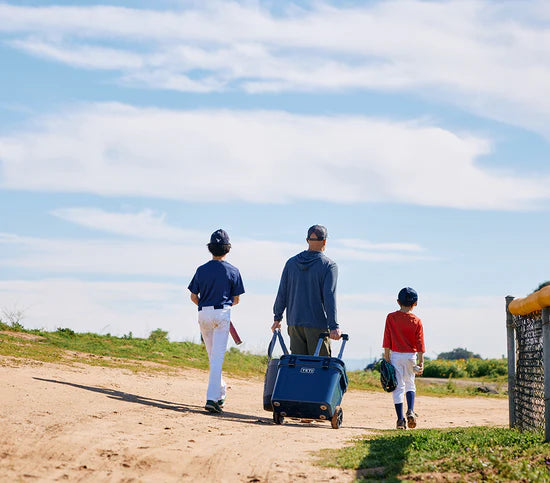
[461,454]
[370,380]
[157,353]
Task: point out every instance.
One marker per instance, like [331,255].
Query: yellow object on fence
[536,301]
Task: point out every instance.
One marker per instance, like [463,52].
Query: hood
[307,259]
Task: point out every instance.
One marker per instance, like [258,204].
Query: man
[308,293]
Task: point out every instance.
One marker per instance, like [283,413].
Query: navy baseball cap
[319,230]
[220,237]
[407,296]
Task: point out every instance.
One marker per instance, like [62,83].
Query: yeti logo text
[307,370]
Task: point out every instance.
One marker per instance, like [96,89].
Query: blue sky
[417,132]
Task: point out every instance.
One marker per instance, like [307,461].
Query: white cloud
[140,307]
[486,56]
[156,249]
[146,224]
[258,156]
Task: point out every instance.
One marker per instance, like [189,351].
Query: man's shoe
[401,424]
[213,407]
[221,402]
[411,418]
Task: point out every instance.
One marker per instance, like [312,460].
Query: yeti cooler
[310,387]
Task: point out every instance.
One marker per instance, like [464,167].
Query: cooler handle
[322,336]
[344,338]
[276,335]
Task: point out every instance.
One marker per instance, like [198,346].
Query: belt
[216,306]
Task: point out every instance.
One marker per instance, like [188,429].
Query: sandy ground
[84,423]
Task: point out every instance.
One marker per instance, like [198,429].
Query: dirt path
[96,424]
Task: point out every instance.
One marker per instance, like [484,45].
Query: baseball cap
[319,230]
[220,237]
[407,296]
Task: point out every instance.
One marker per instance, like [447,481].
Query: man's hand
[276,325]
[335,334]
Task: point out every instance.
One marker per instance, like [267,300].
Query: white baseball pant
[214,325]
[403,363]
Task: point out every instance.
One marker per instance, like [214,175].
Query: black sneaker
[411,418]
[221,402]
[401,424]
[213,407]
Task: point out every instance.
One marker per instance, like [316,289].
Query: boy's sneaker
[221,402]
[411,418]
[213,407]
[401,424]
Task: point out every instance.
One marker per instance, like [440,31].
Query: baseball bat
[234,334]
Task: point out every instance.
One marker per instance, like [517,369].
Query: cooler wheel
[337,418]
[278,418]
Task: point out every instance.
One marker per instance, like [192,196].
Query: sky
[417,132]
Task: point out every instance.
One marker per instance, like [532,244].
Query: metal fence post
[546,352]
[511,338]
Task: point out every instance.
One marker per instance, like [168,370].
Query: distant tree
[158,335]
[458,353]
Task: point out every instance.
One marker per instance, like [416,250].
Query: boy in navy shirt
[215,288]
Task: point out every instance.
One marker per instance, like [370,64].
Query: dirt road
[88,423]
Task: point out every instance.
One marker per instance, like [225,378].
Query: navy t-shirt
[216,283]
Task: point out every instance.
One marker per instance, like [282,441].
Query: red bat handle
[234,334]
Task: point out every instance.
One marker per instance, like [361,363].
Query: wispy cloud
[486,56]
[146,224]
[145,244]
[258,156]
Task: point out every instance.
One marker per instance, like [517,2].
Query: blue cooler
[310,387]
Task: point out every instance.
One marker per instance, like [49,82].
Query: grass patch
[370,381]
[458,454]
[157,353]
[66,346]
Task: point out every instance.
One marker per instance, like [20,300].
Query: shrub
[65,332]
[158,335]
[466,368]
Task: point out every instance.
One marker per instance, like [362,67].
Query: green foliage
[65,332]
[128,351]
[158,335]
[475,368]
[458,353]
[476,454]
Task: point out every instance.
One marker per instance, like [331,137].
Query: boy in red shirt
[403,342]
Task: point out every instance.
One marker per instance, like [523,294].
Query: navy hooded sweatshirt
[308,291]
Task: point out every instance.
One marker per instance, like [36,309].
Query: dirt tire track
[88,423]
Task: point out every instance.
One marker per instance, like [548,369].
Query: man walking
[307,291]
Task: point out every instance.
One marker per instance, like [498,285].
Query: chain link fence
[528,391]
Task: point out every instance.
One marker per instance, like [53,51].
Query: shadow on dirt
[159,403]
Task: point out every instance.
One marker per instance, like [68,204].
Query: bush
[444,369]
[65,332]
[466,368]
[158,335]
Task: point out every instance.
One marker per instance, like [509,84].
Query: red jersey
[404,333]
